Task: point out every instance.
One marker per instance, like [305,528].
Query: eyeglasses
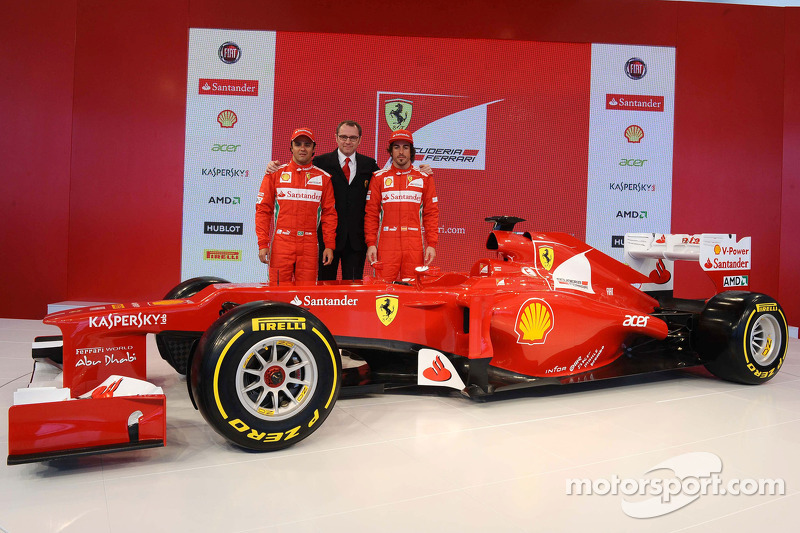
[351,138]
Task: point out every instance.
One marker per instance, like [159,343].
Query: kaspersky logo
[534,321]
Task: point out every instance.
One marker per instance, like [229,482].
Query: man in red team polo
[401,203]
[294,195]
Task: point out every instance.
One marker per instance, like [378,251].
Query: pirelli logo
[766,308]
[279,324]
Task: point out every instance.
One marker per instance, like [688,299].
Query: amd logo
[631,214]
[226,200]
[223,228]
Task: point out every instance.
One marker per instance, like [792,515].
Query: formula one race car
[264,361]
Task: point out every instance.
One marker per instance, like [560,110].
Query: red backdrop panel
[36,106]
[127,165]
[123,215]
[790,193]
[728,134]
[537,136]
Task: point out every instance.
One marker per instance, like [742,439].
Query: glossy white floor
[432,462]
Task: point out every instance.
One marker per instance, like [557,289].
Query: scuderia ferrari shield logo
[398,113]
[386,307]
[546,256]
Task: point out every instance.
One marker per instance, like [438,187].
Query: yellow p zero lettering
[239,426]
[255,435]
[278,323]
[333,361]
[316,417]
[292,433]
[744,339]
[273,437]
[216,373]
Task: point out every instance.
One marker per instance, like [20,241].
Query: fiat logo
[229,52]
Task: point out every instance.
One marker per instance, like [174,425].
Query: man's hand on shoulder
[426,169]
[272,166]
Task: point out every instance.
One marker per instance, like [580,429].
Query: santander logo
[437,372]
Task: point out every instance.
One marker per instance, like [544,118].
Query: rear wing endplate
[727,261]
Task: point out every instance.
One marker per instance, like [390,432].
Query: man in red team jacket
[292,197]
[401,202]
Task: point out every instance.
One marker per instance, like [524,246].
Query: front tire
[742,337]
[266,375]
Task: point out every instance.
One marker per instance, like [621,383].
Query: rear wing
[726,260]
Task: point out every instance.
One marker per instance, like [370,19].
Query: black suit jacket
[351,198]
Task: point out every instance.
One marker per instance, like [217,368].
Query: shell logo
[634,134]
[534,321]
[387,182]
[717,249]
[227,118]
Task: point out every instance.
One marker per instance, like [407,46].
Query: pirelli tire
[742,337]
[266,375]
[176,348]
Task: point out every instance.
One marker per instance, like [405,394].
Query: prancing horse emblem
[546,256]
[386,307]
[398,113]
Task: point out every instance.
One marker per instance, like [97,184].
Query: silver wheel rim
[765,340]
[276,377]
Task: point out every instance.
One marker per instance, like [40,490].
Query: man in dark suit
[350,175]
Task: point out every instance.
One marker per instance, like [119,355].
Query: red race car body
[264,361]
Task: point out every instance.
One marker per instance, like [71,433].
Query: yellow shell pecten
[227,119]
[535,322]
[634,134]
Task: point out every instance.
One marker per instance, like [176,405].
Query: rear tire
[742,337]
[176,349]
[266,375]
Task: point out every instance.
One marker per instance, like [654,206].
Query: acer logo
[631,214]
[225,147]
[632,162]
[635,321]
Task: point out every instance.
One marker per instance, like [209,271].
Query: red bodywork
[549,307]
[102,341]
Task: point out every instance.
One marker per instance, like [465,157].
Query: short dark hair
[313,150]
[351,123]
[413,151]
